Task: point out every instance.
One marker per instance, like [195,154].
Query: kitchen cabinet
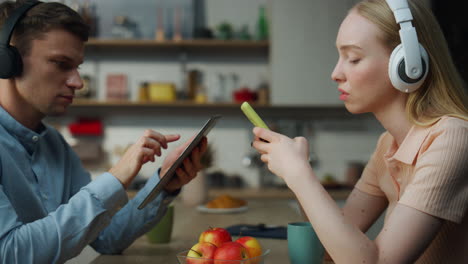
[303,52]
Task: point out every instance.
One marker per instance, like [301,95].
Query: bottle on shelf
[262,24]
[201,96]
[263,91]
[220,92]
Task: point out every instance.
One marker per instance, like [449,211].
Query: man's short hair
[41,19]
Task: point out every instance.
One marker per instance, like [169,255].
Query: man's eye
[62,64]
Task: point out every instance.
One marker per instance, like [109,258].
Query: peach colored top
[428,172]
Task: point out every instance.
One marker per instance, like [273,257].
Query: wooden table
[189,223]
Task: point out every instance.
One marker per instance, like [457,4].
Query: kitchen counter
[273,193]
[266,193]
[189,223]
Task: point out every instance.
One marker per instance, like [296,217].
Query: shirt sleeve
[440,183]
[130,222]
[369,181]
[62,234]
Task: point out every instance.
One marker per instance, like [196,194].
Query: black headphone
[409,63]
[11,64]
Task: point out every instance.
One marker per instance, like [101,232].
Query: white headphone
[409,63]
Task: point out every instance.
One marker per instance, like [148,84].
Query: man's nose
[75,81]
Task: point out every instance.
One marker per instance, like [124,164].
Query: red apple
[230,251]
[201,250]
[216,236]
[252,245]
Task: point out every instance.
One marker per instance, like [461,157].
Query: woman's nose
[337,74]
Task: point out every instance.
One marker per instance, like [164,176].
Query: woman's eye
[354,61]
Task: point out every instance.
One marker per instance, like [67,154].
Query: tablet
[178,163]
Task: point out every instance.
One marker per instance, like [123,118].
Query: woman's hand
[145,149]
[283,155]
[191,165]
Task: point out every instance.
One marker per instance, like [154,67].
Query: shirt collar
[410,146]
[24,135]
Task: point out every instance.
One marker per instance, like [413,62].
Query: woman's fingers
[261,146]
[265,134]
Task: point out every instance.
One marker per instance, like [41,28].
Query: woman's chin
[355,109]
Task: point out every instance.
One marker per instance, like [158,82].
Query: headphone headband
[12,20]
[409,38]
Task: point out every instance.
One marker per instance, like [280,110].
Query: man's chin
[57,112]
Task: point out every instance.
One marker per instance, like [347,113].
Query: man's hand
[191,165]
[145,149]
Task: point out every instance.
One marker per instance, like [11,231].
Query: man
[49,208]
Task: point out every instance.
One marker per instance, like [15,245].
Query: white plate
[205,209]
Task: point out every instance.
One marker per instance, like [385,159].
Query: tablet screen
[171,172]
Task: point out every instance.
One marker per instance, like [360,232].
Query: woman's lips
[343,95]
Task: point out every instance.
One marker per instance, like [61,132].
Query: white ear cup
[396,70]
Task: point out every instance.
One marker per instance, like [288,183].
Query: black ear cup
[10,62]
[396,70]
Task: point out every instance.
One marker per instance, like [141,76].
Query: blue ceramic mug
[304,247]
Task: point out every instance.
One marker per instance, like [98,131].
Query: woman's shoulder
[449,123]
[449,131]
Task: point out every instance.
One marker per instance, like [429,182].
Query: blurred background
[170,64]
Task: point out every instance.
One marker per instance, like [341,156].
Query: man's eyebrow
[65,57]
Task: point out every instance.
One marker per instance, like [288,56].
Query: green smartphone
[253,116]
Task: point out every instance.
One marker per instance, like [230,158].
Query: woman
[419,170]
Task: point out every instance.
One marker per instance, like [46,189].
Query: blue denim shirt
[49,207]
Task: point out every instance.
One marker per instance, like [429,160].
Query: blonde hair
[442,93]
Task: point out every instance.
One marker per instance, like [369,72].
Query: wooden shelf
[176,104]
[91,103]
[95,107]
[193,43]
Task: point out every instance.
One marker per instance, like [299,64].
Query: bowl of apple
[215,246]
[184,259]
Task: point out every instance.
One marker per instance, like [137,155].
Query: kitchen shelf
[115,107]
[135,104]
[182,44]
